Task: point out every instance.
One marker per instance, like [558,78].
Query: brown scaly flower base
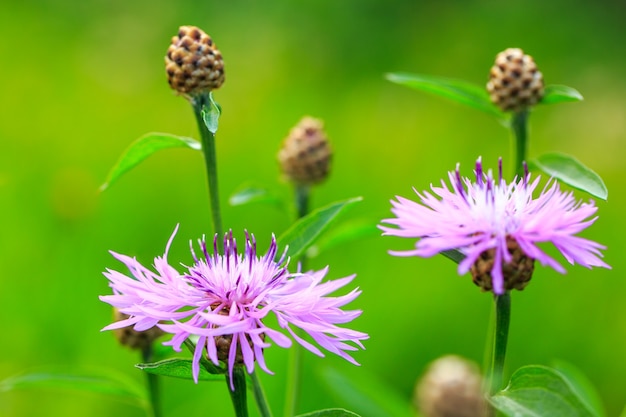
[517,273]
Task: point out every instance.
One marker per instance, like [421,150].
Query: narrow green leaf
[211,114]
[107,383]
[178,368]
[303,233]
[454,255]
[366,394]
[540,391]
[560,94]
[582,386]
[331,412]
[142,148]
[251,193]
[460,91]
[571,171]
[347,232]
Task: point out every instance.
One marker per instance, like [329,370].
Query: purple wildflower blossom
[474,217]
[230,295]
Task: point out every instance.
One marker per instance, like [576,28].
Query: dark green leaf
[330,412]
[454,255]
[303,233]
[366,394]
[105,383]
[178,368]
[559,94]
[347,232]
[540,391]
[582,387]
[457,90]
[569,170]
[143,148]
[250,193]
[211,114]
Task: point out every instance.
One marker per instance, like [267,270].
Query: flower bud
[517,272]
[193,63]
[305,155]
[127,336]
[451,387]
[514,81]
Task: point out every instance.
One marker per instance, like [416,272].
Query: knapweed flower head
[223,299]
[496,226]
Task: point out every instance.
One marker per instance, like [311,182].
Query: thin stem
[152,381]
[259,396]
[503,317]
[210,161]
[238,395]
[302,194]
[519,125]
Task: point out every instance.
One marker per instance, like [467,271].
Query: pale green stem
[519,126]
[503,317]
[259,396]
[152,381]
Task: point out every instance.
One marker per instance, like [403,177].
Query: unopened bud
[451,387]
[305,155]
[514,81]
[193,63]
[127,336]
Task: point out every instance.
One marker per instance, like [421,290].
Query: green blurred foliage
[82,80]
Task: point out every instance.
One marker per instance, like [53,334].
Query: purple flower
[498,222]
[223,299]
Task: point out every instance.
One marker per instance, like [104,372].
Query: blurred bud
[514,81]
[517,272]
[127,336]
[451,387]
[193,63]
[305,155]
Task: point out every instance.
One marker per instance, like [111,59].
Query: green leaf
[330,412]
[303,233]
[582,386]
[537,391]
[366,394]
[454,255]
[142,148]
[345,233]
[460,91]
[560,94]
[104,383]
[251,193]
[569,170]
[179,368]
[211,114]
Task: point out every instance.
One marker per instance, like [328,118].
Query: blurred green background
[81,80]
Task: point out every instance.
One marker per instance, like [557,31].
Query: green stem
[503,317]
[152,381]
[199,103]
[238,395]
[259,396]
[302,196]
[519,126]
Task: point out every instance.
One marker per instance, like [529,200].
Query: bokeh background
[81,80]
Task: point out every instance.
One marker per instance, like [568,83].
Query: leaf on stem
[560,94]
[142,148]
[581,385]
[463,92]
[104,383]
[571,171]
[330,412]
[540,391]
[345,233]
[179,368]
[252,193]
[211,114]
[303,233]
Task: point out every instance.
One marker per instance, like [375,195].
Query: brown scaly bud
[193,63]
[127,336]
[516,273]
[451,387]
[514,81]
[305,155]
